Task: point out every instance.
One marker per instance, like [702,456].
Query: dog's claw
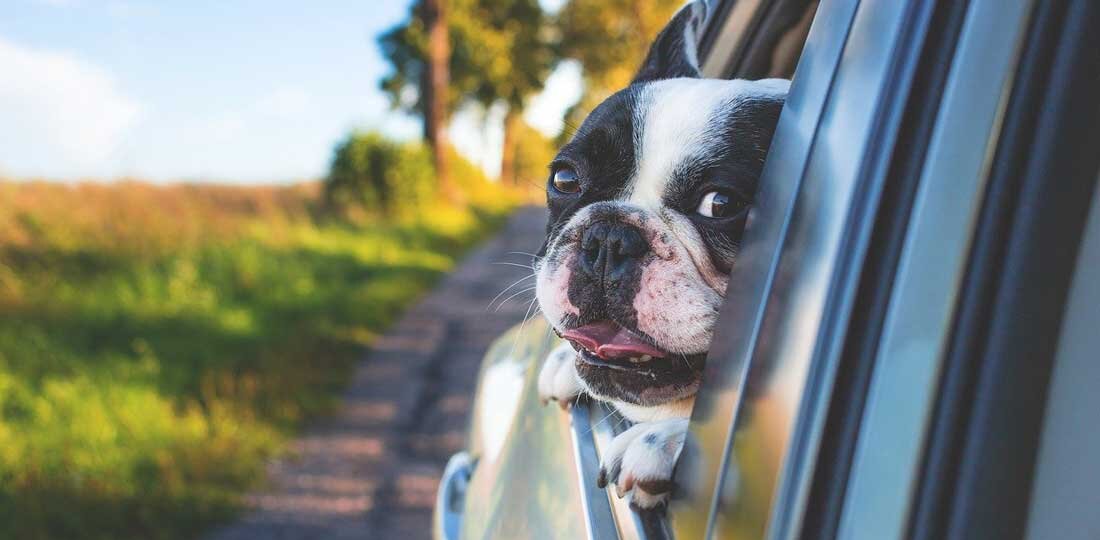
[656,487]
[659,505]
[640,460]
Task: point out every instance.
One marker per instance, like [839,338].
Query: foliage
[158,344]
[500,51]
[610,39]
[371,175]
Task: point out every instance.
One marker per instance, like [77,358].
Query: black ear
[675,53]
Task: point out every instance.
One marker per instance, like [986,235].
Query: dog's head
[647,204]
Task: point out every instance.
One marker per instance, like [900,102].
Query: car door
[881,366]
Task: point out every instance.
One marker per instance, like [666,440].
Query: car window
[757,40]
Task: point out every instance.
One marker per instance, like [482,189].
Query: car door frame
[910,74]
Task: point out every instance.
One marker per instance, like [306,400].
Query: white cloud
[60,114]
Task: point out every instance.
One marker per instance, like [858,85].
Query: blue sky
[238,91]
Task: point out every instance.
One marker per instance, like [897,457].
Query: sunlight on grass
[159,344]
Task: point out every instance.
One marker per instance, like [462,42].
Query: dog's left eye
[716,204]
[565,181]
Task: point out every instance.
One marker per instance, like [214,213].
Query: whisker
[505,301]
[593,426]
[619,423]
[514,264]
[686,361]
[501,293]
[523,324]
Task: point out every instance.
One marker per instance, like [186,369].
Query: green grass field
[159,344]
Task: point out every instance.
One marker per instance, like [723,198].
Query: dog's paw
[558,378]
[639,461]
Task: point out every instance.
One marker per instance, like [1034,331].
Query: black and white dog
[647,204]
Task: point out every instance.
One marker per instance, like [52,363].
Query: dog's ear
[675,51]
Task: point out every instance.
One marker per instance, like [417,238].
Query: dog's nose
[611,249]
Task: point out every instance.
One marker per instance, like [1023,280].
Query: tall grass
[158,344]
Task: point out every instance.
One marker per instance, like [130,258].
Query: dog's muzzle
[611,251]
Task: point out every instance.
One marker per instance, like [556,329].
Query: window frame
[865,101]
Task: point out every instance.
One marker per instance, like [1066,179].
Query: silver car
[912,346]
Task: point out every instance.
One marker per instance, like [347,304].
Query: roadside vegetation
[159,343]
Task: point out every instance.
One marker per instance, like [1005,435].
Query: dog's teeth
[646,358]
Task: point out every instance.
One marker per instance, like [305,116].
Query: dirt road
[371,470]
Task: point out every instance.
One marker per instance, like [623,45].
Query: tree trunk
[508,173]
[434,90]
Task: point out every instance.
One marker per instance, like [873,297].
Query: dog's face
[647,204]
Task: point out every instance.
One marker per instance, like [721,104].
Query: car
[908,349]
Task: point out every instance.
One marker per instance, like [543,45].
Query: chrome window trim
[598,519]
[883,478]
[606,423]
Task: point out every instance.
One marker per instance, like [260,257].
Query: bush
[372,176]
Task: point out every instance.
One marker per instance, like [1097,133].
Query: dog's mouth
[621,364]
[609,345]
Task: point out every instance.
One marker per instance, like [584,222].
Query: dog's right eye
[564,180]
[717,204]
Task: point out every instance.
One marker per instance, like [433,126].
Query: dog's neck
[639,413]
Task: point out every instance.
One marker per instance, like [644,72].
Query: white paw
[640,460]
[558,378]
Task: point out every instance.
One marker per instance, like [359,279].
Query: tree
[610,39]
[420,51]
[500,52]
[434,13]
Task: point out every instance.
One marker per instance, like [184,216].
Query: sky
[242,91]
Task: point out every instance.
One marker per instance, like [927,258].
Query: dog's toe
[558,377]
[640,461]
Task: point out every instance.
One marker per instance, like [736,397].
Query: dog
[647,204]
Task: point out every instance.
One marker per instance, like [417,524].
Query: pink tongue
[609,340]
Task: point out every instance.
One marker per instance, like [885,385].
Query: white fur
[671,120]
[558,380]
[645,452]
[552,289]
[637,413]
[671,126]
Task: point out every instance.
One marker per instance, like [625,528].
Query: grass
[159,344]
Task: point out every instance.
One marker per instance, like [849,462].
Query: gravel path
[371,470]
